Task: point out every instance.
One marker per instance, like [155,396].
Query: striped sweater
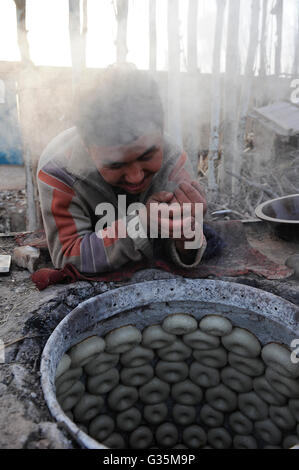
[70,188]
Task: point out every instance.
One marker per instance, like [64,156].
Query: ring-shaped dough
[240,424]
[253,367]
[267,393]
[175,352]
[294,407]
[115,441]
[87,407]
[194,437]
[204,376]
[141,438]
[166,435]
[155,414]
[137,376]
[245,442]
[252,406]
[284,385]
[84,351]
[212,358]
[268,431]
[122,397]
[179,324]
[155,337]
[172,372]
[221,398]
[154,392]
[219,438]
[137,357]
[215,325]
[63,366]
[186,393]
[122,339]
[201,341]
[278,357]
[183,414]
[101,427]
[67,380]
[242,342]
[282,417]
[235,380]
[101,363]
[211,417]
[103,383]
[69,399]
[129,420]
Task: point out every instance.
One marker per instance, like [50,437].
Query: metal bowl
[283,215]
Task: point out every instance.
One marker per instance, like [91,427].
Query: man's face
[130,167]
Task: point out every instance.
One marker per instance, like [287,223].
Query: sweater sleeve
[70,235]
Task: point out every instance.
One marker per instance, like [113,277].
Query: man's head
[120,118]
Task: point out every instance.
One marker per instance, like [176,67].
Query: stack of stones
[182,384]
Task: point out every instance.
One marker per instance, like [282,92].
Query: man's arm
[71,237]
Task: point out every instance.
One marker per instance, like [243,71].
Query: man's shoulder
[60,147]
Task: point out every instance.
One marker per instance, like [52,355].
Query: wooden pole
[77,39]
[22,32]
[152,36]
[216,96]
[263,63]
[278,49]
[122,7]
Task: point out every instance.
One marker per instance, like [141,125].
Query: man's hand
[191,193]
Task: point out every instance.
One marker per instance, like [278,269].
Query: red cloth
[237,258]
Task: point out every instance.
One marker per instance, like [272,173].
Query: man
[117,148]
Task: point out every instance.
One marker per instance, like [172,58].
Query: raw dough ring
[183,414]
[222,398]
[294,407]
[122,397]
[175,352]
[69,399]
[245,442]
[101,427]
[83,352]
[210,417]
[204,376]
[219,438]
[103,383]
[247,365]
[172,372]
[63,366]
[129,419]
[268,431]
[154,392]
[141,438]
[155,337]
[155,414]
[278,357]
[242,342]
[201,340]
[253,406]
[122,339]
[282,417]
[240,424]
[87,407]
[194,437]
[215,325]
[167,435]
[101,363]
[212,358]
[137,356]
[137,376]
[235,380]
[179,324]
[67,380]
[115,441]
[267,393]
[284,385]
[186,393]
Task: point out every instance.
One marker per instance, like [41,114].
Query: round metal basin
[269,317]
[283,214]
